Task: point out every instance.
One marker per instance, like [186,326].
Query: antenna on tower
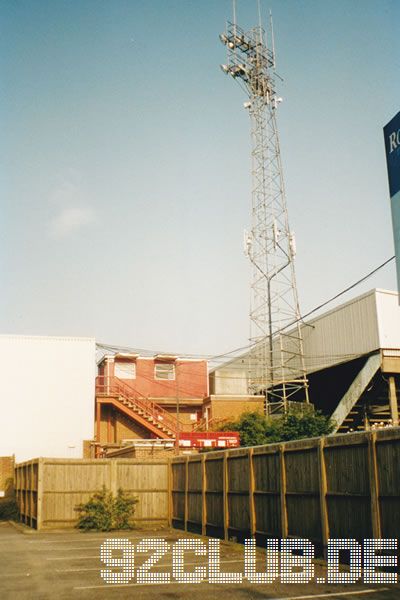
[259,14]
[271,26]
[276,361]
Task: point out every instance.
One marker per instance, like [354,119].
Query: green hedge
[105,512]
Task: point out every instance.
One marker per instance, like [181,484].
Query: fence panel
[388,468]
[214,493]
[26,491]
[302,490]
[338,486]
[348,486]
[178,493]
[194,508]
[48,490]
[267,497]
[238,492]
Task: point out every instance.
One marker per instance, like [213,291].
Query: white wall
[47,395]
[388,318]
[229,381]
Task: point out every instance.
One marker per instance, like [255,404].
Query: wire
[220,357]
[302,317]
[348,288]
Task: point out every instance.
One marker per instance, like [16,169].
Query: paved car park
[67,564]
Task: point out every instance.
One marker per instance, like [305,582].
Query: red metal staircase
[149,414]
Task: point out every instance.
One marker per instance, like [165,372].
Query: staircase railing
[113,386]
[202,425]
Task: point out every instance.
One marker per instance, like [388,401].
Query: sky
[125,180]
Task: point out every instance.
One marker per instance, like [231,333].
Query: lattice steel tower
[276,361]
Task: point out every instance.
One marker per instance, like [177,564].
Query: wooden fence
[338,486]
[48,489]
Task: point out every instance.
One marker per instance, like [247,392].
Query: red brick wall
[7,474]
[191,379]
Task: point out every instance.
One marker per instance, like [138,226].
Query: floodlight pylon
[276,360]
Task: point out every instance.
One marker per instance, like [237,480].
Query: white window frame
[118,363]
[170,366]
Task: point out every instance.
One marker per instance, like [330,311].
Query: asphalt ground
[67,564]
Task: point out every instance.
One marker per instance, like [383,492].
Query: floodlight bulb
[225,68]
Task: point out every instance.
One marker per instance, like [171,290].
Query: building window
[164,371]
[125,370]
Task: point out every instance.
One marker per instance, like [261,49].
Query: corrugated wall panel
[342,334]
[360,326]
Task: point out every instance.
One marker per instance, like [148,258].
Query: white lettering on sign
[394,140]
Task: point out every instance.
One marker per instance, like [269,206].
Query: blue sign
[392,144]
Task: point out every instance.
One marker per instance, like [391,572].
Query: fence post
[170,500]
[16,483]
[186,492]
[39,494]
[203,496]
[374,485]
[284,519]
[98,425]
[323,489]
[31,485]
[252,512]
[113,475]
[23,493]
[225,482]
[394,411]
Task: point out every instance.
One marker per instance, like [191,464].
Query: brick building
[141,397]
[154,403]
[7,464]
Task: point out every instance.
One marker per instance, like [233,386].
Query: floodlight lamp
[223,38]
[247,104]
[231,45]
[225,68]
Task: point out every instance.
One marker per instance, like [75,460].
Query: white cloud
[69,220]
[70,203]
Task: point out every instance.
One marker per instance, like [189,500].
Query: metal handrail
[114,386]
[196,427]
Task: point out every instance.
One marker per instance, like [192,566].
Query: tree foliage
[255,429]
[105,512]
[9,510]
